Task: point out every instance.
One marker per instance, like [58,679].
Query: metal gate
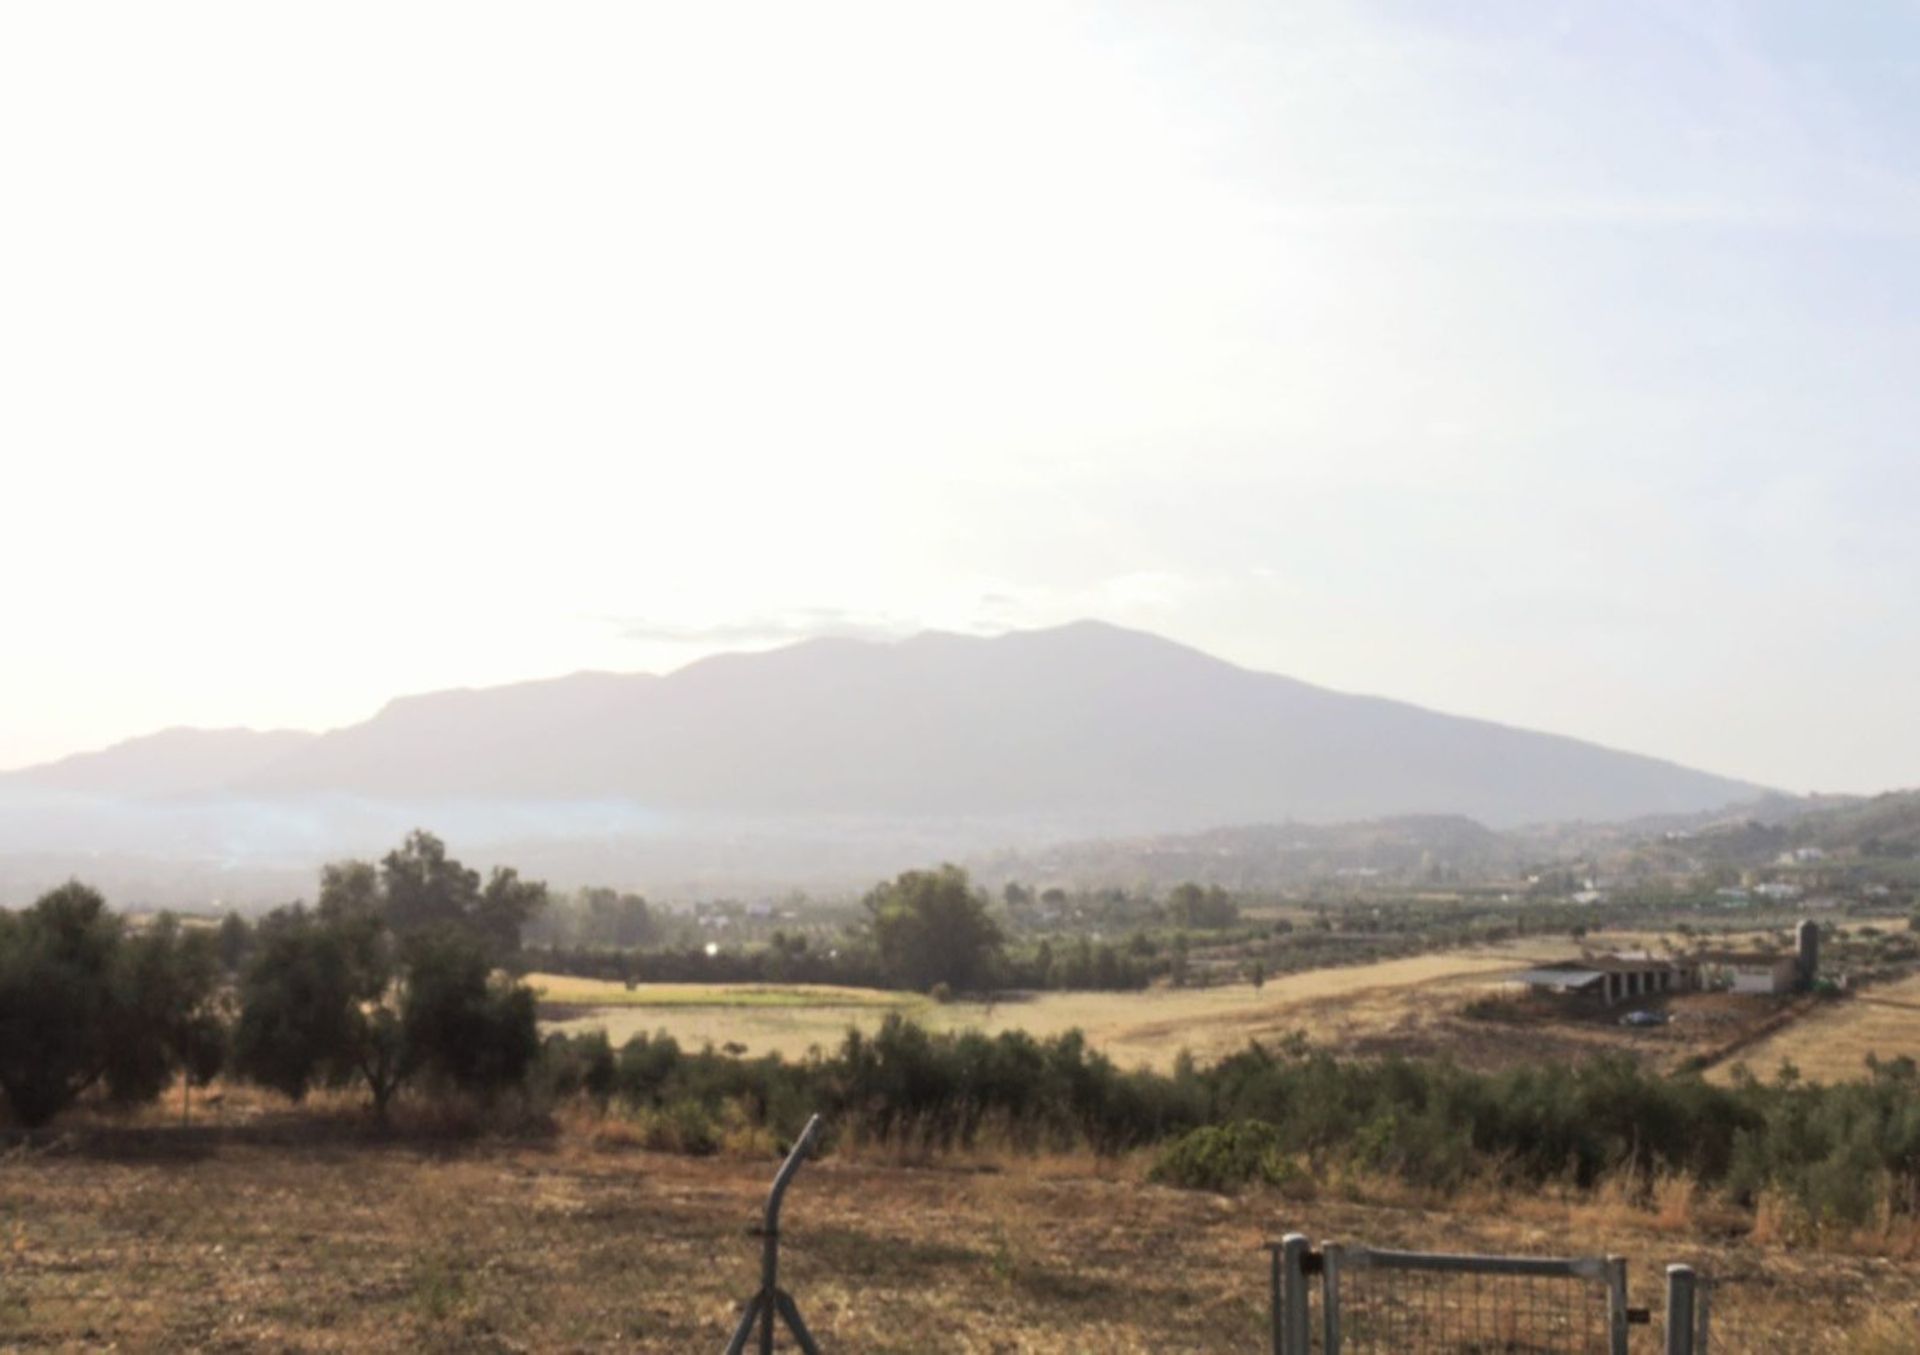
[1411,1303]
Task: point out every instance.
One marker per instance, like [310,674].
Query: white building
[1749,972]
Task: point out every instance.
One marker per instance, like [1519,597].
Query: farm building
[1751,972]
[1612,979]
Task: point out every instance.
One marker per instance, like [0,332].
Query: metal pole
[1276,1299]
[770,1304]
[1330,1298]
[1617,1305]
[1295,1331]
[1680,1294]
[738,1342]
[770,1257]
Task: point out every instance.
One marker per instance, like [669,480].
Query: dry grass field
[1409,1005]
[569,990]
[1831,1042]
[292,1238]
[1334,1006]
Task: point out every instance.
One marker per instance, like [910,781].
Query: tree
[931,926]
[81,1005]
[506,905]
[422,887]
[167,1016]
[1206,909]
[613,919]
[56,964]
[417,887]
[236,939]
[334,997]
[458,1022]
[300,1016]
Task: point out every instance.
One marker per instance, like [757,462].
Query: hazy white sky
[1556,363]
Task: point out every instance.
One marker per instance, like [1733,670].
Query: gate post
[1292,1327]
[1617,1305]
[1681,1289]
[1330,1298]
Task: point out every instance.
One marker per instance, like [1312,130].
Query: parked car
[1645,1018]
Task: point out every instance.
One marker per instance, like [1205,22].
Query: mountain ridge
[1103,725]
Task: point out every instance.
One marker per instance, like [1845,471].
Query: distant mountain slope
[172,762]
[1409,851]
[1087,724]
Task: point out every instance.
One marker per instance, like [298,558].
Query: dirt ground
[284,1239]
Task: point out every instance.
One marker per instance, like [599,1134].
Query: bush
[578,1065]
[1225,1158]
[684,1127]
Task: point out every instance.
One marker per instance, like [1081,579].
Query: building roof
[1620,964]
[1553,976]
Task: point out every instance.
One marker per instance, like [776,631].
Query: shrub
[684,1127]
[1225,1158]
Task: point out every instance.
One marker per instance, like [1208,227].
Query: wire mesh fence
[1362,1300]
[1405,1304]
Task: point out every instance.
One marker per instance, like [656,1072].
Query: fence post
[1681,1289]
[1330,1298]
[1702,1317]
[1617,1305]
[1294,1333]
[1276,1299]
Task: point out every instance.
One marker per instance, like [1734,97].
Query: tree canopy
[84,1002]
[932,926]
[390,979]
[1207,909]
[417,887]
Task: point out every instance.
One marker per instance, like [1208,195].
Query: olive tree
[84,1002]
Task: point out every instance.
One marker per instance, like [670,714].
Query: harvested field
[566,990]
[1334,1006]
[1409,1006]
[176,1242]
[1831,1042]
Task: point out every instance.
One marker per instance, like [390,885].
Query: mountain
[1086,725]
[172,762]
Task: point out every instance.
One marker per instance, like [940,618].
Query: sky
[1551,363]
